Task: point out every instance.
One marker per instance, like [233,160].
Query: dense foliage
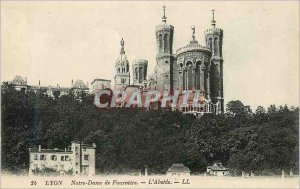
[264,142]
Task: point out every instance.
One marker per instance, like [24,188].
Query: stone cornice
[213,30]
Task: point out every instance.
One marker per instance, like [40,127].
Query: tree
[260,110]
[235,107]
[128,139]
[272,109]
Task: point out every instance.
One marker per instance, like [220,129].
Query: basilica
[193,67]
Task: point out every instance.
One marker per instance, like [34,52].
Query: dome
[79,84]
[18,80]
[193,46]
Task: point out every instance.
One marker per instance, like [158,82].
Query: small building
[79,87]
[19,83]
[217,169]
[178,170]
[100,84]
[77,159]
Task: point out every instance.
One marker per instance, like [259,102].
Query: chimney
[40,148]
[65,149]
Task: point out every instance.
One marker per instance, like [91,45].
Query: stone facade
[77,87]
[164,58]
[77,159]
[100,84]
[139,72]
[194,67]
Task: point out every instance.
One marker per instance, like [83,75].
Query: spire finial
[164,18]
[193,35]
[213,22]
[122,46]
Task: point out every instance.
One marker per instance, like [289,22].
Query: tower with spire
[122,76]
[164,57]
[214,41]
[194,67]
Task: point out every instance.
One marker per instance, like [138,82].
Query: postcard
[149,94]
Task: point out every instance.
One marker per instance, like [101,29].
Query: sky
[57,41]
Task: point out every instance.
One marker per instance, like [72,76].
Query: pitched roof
[179,168]
[100,80]
[217,167]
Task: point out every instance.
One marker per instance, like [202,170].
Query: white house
[217,169]
[77,159]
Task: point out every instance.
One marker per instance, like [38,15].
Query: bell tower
[122,77]
[164,57]
[214,41]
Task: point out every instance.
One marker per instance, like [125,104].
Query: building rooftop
[79,84]
[56,150]
[36,150]
[193,46]
[18,80]
[179,168]
[217,167]
[100,80]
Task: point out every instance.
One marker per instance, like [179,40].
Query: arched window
[216,46]
[160,42]
[189,75]
[210,43]
[212,79]
[165,42]
[136,73]
[198,75]
[140,75]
